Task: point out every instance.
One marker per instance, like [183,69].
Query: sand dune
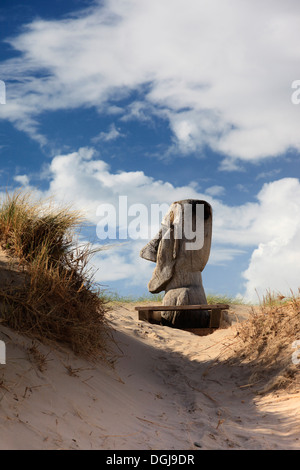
[169,389]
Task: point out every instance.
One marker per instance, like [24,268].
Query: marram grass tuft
[55,299]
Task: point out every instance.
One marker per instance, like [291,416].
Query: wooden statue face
[174,248]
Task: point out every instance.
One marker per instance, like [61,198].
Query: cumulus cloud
[274,268]
[269,228]
[219,72]
[122,263]
[274,264]
[86,181]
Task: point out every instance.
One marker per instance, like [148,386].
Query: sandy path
[168,390]
[212,402]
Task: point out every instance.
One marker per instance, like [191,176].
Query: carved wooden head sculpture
[182,247]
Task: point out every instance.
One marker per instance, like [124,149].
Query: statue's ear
[197,258]
[203,254]
[166,261]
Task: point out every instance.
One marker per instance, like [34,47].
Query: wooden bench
[152,314]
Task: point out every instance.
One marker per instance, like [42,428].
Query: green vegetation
[223,299]
[211,298]
[114,297]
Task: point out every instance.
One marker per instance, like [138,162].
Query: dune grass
[55,300]
[224,299]
[274,299]
[211,298]
[115,297]
[265,343]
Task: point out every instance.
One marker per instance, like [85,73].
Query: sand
[168,390]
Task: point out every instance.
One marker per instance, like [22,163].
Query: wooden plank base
[152,314]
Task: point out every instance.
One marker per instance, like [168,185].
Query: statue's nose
[149,252]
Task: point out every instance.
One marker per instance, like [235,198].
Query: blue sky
[160,102]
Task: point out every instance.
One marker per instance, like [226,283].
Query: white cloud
[85,181]
[275,263]
[220,72]
[122,263]
[220,256]
[139,111]
[112,134]
[274,267]
[269,227]
[215,190]
[268,174]
[22,179]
